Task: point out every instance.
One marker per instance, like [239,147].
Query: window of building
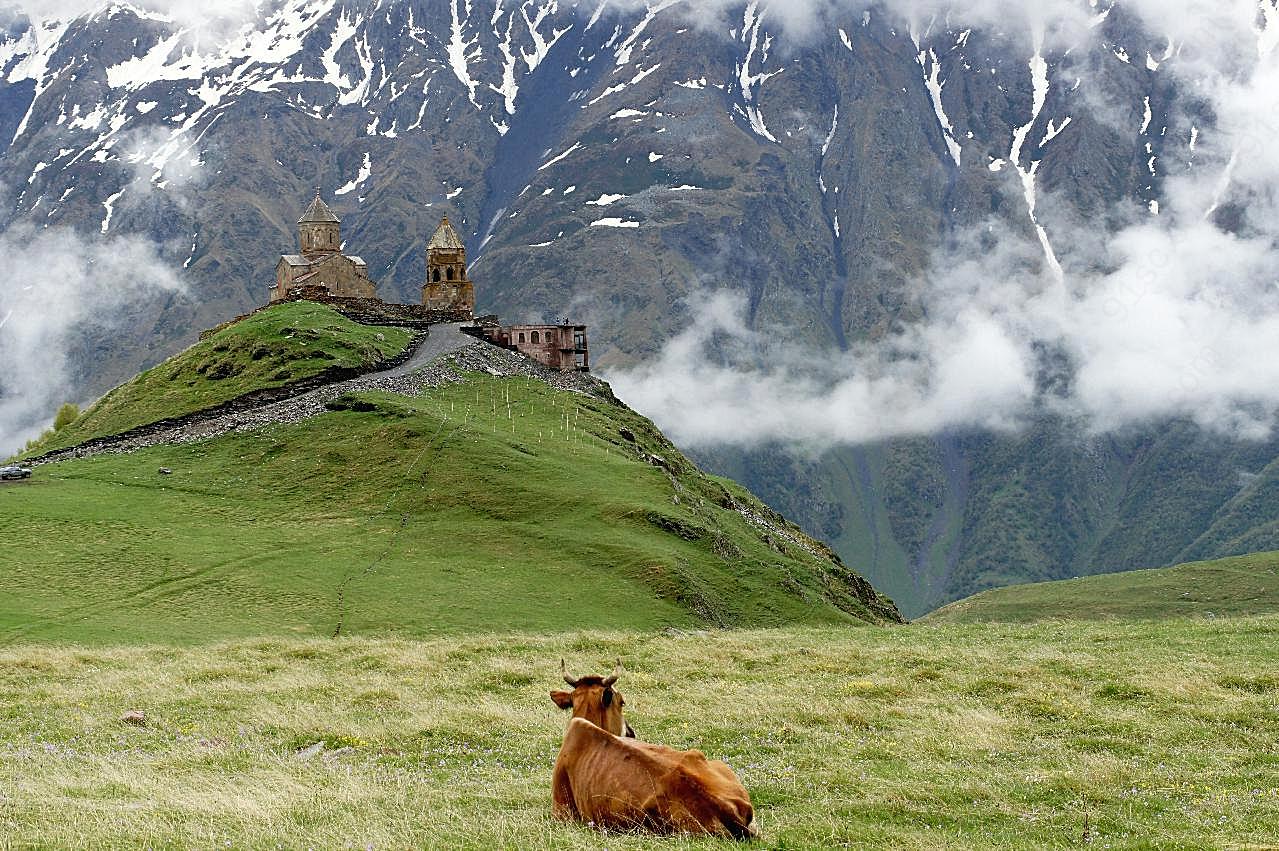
[535,337]
[521,336]
[435,276]
[450,273]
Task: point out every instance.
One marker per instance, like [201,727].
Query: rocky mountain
[617,162]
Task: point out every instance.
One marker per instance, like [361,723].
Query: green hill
[485,504]
[1239,586]
[269,349]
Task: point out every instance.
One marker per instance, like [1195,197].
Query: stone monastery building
[321,261]
[321,272]
[322,267]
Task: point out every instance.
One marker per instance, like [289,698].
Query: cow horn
[567,678]
[612,678]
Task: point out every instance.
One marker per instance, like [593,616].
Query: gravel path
[443,357]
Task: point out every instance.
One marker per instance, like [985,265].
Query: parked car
[14,472]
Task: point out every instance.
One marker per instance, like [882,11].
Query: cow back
[626,784]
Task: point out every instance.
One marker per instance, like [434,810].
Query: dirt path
[442,357]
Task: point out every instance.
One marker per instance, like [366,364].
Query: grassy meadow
[1050,735]
[287,343]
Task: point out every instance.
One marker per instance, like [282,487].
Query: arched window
[521,336]
[535,337]
[450,273]
[435,276]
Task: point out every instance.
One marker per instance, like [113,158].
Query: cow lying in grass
[607,777]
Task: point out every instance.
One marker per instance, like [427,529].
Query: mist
[214,18]
[61,283]
[1182,323]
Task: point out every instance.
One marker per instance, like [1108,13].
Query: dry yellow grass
[1054,735]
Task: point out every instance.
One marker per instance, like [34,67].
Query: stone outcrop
[366,311]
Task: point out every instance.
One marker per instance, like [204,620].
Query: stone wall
[366,311]
[136,437]
[337,274]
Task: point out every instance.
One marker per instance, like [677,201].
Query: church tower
[319,229]
[447,286]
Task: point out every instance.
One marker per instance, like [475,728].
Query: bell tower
[319,229]
[447,287]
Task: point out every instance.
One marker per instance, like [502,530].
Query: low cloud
[1182,320]
[932,376]
[1187,325]
[199,16]
[61,283]
[158,155]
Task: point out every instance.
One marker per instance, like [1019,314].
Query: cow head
[594,699]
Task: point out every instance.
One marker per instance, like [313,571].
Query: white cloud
[192,14]
[159,155]
[67,282]
[967,370]
[1187,324]
[1182,321]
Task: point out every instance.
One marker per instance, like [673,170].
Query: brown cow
[606,777]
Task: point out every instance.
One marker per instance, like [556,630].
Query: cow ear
[563,699]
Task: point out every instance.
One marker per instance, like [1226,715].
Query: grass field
[1098,734]
[1244,585]
[494,504]
[268,349]
[398,578]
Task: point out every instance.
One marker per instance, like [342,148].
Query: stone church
[321,267]
[321,261]
[321,272]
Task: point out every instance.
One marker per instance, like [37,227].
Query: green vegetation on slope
[286,343]
[1104,734]
[492,504]
[1244,585]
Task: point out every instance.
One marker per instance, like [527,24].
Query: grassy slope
[439,513]
[268,349]
[1244,585]
[1153,735]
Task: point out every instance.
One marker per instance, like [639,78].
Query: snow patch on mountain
[366,169]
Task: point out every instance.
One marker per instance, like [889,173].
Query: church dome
[318,212]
